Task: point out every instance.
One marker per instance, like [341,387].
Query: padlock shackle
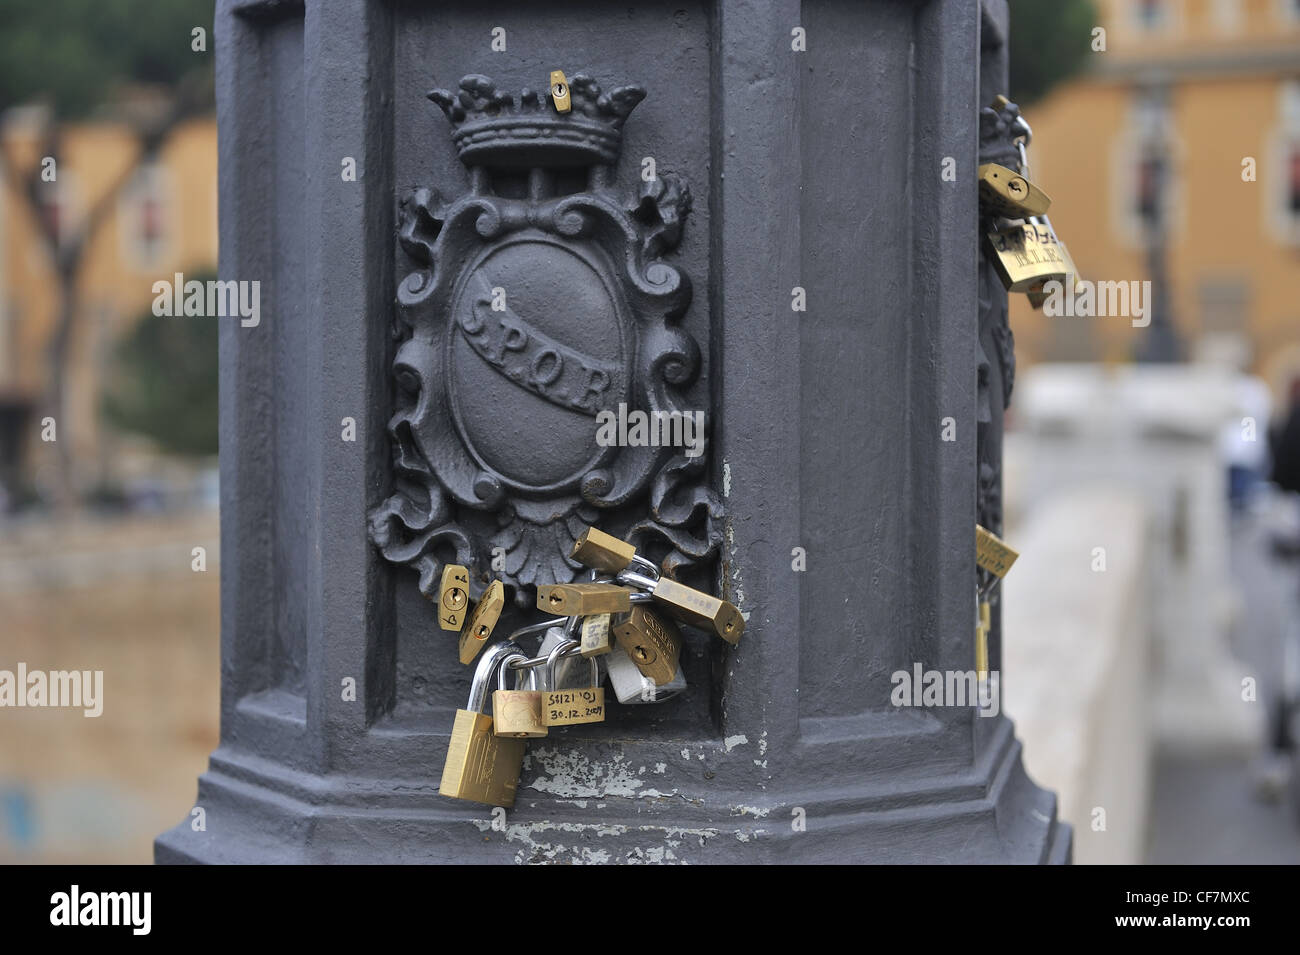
[567,648]
[548,670]
[537,628]
[570,650]
[1024,157]
[505,666]
[1025,131]
[485,672]
[637,579]
[646,565]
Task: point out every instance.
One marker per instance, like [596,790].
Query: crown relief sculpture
[528,309]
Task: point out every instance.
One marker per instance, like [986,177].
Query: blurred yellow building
[1213,86]
[164,220]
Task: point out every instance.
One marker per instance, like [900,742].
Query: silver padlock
[570,671]
[630,686]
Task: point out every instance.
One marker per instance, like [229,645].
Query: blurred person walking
[1284,731]
[1285,445]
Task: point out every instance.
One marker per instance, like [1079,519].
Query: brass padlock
[602,551]
[560,92]
[699,609]
[982,640]
[517,712]
[1027,255]
[991,553]
[478,628]
[1037,296]
[595,637]
[651,642]
[571,706]
[581,600]
[481,766]
[1006,193]
[453,596]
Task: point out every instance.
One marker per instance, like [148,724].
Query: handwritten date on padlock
[596,638]
[992,553]
[568,707]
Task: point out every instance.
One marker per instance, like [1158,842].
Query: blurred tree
[1050,41]
[74,57]
[164,383]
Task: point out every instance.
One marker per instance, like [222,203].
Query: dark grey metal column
[780,168]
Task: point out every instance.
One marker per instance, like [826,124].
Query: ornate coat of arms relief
[538,299]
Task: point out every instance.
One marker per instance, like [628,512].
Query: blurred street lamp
[1160,341]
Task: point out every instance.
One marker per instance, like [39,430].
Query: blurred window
[1293,198]
[1146,165]
[1286,190]
[144,217]
[60,207]
[57,206]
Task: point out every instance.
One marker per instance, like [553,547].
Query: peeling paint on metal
[535,838]
[731,742]
[571,773]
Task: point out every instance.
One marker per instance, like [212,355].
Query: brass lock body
[560,92]
[1004,192]
[1036,294]
[720,617]
[602,551]
[1027,256]
[481,766]
[651,642]
[517,713]
[982,640]
[453,596]
[581,600]
[992,554]
[478,628]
